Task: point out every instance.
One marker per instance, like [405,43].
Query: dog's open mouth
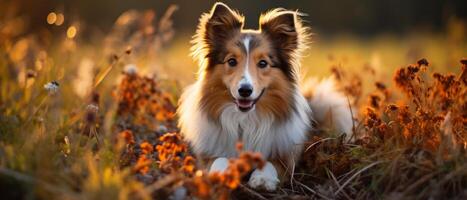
[246,105]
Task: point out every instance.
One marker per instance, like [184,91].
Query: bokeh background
[353,33]
[361,17]
[88,87]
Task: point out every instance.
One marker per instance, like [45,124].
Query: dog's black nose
[245,90]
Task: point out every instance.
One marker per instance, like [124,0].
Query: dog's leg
[266,178]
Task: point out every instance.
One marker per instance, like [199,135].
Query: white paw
[265,178]
[219,165]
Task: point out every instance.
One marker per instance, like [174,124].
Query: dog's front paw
[219,165]
[264,178]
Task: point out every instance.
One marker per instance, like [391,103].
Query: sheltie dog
[247,91]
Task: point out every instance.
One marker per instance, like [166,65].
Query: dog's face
[247,68]
[250,68]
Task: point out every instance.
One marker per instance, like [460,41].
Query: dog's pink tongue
[245,103]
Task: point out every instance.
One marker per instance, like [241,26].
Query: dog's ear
[289,37]
[214,29]
[281,26]
[222,23]
[222,18]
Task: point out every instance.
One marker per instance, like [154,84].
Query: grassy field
[95,118]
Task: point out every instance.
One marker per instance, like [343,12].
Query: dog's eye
[232,62]
[262,64]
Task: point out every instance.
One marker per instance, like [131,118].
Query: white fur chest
[255,133]
[218,138]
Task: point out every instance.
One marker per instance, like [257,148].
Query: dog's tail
[330,107]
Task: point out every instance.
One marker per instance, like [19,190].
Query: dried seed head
[374,101]
[115,57]
[464,61]
[31,74]
[413,69]
[91,117]
[128,50]
[463,75]
[392,107]
[380,85]
[95,98]
[422,61]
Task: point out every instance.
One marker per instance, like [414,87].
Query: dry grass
[106,128]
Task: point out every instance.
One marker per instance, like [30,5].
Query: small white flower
[51,87]
[131,69]
[92,107]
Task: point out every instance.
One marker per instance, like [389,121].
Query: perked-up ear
[222,18]
[213,31]
[285,29]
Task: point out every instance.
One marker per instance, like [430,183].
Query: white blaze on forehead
[246,42]
[246,74]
